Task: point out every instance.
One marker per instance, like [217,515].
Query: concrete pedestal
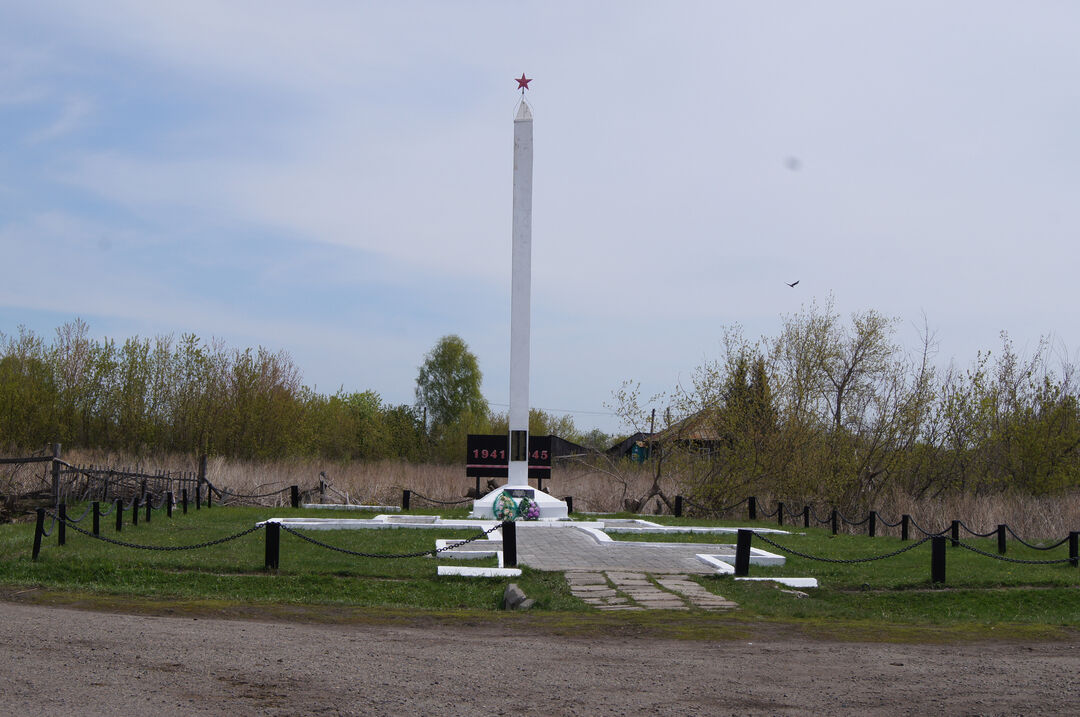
[551,508]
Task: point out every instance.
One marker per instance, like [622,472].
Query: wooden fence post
[56,473]
[39,530]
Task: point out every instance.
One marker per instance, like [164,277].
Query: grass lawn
[886,599]
[978,589]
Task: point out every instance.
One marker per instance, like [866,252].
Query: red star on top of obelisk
[523,82]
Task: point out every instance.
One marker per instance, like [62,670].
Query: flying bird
[792,285]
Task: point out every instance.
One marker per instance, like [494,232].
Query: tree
[448,383]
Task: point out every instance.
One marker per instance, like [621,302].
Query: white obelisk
[520,297]
[517,484]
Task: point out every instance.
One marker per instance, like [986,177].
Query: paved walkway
[618,575]
[565,548]
[638,591]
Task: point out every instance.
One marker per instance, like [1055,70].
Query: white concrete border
[790,582]
[468,572]
[722,568]
[344,506]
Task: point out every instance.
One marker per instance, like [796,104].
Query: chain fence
[432,552]
[1002,558]
[1034,547]
[843,561]
[927,532]
[462,501]
[974,533]
[164,548]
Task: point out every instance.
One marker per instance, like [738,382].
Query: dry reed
[593,490]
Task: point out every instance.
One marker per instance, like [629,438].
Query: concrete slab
[470,572]
[790,582]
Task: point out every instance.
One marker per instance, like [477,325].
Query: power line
[561,410]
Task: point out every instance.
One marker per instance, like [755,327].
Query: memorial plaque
[487,456]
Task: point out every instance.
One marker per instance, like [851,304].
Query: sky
[333,179]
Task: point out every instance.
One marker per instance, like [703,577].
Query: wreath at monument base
[506,509]
[528,509]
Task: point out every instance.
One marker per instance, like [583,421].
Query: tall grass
[593,490]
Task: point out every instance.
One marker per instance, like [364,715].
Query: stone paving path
[622,590]
[569,548]
[619,575]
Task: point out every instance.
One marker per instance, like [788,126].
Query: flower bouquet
[528,509]
[505,509]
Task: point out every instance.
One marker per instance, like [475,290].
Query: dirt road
[72,662]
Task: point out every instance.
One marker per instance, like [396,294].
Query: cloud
[284,169]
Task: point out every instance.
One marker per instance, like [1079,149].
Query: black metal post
[183,499]
[405,494]
[569,504]
[209,495]
[61,524]
[742,552]
[780,513]
[937,559]
[1074,554]
[678,506]
[509,543]
[149,506]
[905,522]
[955,530]
[119,514]
[478,486]
[169,503]
[872,525]
[39,530]
[294,495]
[1001,539]
[135,510]
[96,508]
[56,474]
[835,521]
[540,484]
[751,503]
[198,496]
[273,544]
[806,516]
[142,491]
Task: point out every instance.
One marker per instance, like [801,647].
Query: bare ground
[63,661]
